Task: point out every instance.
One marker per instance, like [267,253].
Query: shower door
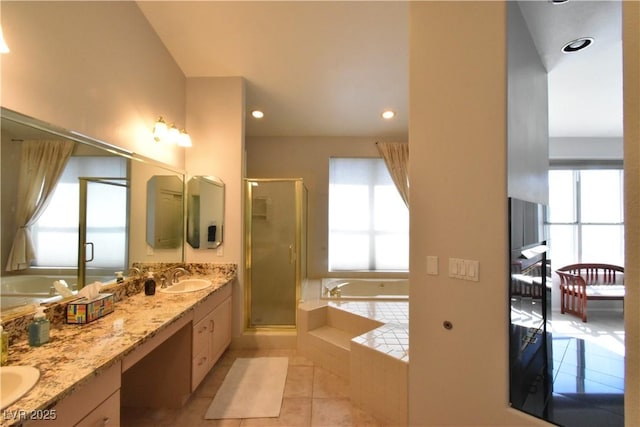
[275,240]
[103,223]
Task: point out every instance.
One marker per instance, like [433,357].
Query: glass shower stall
[275,258]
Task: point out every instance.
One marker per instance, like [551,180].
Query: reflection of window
[368,221]
[585,218]
[55,234]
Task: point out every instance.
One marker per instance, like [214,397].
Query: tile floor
[312,397]
[588,370]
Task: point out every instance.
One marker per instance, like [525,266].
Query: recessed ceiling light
[577,44]
[558,1]
[257,114]
[388,114]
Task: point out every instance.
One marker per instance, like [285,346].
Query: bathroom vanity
[165,347]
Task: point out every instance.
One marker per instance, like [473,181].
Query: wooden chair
[582,282]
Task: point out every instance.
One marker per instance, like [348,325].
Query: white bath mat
[253,388]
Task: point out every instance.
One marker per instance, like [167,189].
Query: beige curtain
[396,157]
[41,165]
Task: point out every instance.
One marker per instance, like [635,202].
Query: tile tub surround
[77,353]
[365,343]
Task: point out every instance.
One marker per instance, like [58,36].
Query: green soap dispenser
[39,329]
[4,344]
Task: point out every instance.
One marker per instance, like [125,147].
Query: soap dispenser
[4,344]
[149,284]
[39,329]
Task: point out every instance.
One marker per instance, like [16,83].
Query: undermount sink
[15,382]
[187,285]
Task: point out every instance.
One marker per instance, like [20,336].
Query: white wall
[94,67]
[527,114]
[458,175]
[215,119]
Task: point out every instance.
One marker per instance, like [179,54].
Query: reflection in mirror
[164,211]
[205,212]
[40,231]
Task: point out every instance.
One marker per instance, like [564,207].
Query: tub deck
[365,342]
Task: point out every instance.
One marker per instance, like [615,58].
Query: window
[368,221]
[585,216]
[55,234]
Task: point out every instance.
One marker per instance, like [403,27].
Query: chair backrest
[603,273]
[571,280]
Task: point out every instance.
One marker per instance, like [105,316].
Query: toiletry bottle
[149,284]
[4,344]
[119,277]
[39,329]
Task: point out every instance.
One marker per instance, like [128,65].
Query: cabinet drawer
[202,334]
[72,409]
[105,415]
[211,302]
[200,368]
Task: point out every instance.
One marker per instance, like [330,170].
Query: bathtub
[21,290]
[365,289]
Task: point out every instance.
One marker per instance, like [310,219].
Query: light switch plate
[432,265]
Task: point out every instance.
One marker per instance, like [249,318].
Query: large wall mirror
[52,181]
[205,212]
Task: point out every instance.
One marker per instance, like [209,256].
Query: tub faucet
[335,292]
[177,272]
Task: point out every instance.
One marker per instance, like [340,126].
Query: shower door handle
[292,255]
[89,244]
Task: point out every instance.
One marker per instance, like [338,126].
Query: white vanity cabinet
[211,333]
[95,403]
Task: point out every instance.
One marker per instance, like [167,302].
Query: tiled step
[334,336]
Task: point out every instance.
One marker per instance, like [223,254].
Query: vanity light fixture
[184,140]
[577,44]
[170,134]
[257,114]
[174,134]
[3,44]
[160,130]
[388,114]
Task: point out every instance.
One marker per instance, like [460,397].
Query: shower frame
[299,251]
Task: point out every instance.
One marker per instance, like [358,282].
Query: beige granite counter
[77,353]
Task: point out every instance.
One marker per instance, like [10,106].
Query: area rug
[253,388]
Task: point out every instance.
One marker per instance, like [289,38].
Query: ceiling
[330,68]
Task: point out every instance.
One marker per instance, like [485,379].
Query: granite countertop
[77,353]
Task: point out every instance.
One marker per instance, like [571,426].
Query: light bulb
[160,130]
[184,139]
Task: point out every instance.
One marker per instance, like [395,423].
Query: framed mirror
[205,212]
[101,183]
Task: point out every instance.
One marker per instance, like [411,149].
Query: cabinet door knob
[105,421]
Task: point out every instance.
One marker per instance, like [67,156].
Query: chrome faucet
[177,272]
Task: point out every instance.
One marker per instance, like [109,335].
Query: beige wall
[458,174]
[631,84]
[94,67]
[215,116]
[307,158]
